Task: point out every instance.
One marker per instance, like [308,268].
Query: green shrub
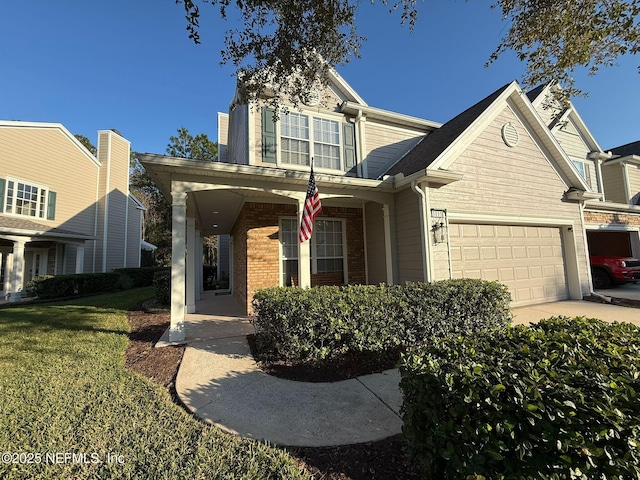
[60,286]
[324,322]
[162,286]
[138,277]
[558,399]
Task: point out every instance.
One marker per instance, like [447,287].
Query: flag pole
[312,208]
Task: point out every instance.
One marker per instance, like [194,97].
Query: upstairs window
[297,137]
[21,198]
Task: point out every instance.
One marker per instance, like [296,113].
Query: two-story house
[62,209]
[490,194]
[612,220]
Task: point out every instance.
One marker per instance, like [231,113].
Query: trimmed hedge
[326,322]
[59,286]
[558,399]
[162,286]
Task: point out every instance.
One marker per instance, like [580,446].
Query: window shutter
[2,185]
[51,206]
[268,136]
[587,174]
[349,146]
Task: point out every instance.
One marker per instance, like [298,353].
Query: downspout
[625,177]
[588,254]
[424,229]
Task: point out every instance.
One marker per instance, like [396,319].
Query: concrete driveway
[576,308]
[630,291]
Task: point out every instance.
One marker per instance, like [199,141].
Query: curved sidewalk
[220,383]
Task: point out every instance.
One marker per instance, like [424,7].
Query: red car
[607,270]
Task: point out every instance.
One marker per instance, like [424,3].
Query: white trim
[512,219]
[311,115]
[593,227]
[364,242]
[625,177]
[28,183]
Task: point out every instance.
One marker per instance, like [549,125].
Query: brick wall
[256,253]
[602,218]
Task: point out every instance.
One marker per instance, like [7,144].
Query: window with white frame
[25,199]
[583,169]
[327,248]
[299,137]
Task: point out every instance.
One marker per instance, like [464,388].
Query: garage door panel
[528,259]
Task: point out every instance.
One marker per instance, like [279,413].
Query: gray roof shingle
[431,146]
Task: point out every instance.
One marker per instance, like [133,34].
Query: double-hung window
[297,137]
[24,198]
[327,248]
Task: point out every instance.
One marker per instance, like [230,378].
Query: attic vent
[311,98]
[510,135]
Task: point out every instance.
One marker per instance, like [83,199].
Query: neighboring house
[490,194]
[612,220]
[62,209]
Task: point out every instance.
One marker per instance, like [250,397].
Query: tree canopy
[185,145]
[303,39]
[156,227]
[86,143]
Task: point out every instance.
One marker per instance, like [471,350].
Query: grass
[64,390]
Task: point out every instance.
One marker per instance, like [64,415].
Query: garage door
[528,259]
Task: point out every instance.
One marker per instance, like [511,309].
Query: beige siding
[409,243]
[113,154]
[576,148]
[633,177]
[223,137]
[48,158]
[385,145]
[613,181]
[508,182]
[375,238]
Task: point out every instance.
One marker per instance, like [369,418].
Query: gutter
[423,202]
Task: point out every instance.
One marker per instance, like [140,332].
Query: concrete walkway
[220,383]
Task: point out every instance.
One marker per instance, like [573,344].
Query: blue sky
[129,65]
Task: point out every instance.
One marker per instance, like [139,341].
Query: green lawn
[64,390]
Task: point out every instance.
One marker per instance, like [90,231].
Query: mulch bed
[382,460]
[343,367]
[623,302]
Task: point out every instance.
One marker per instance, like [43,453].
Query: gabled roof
[438,150]
[538,98]
[535,93]
[431,146]
[54,126]
[632,148]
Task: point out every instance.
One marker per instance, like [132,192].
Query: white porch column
[191,265]
[79,258]
[178,257]
[304,254]
[17,270]
[199,284]
[389,242]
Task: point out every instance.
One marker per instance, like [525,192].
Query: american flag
[312,208]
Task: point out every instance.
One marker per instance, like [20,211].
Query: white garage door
[529,260]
